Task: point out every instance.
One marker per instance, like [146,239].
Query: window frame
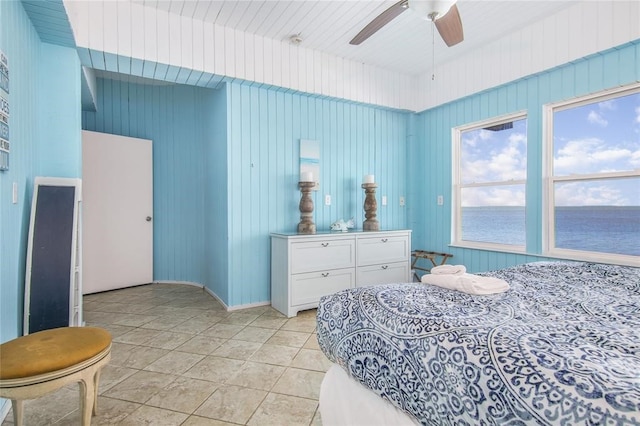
[550,180]
[458,186]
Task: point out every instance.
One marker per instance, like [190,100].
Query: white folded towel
[448,270]
[467,283]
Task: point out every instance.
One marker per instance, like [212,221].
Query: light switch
[401,201]
[384,200]
[440,200]
[327,200]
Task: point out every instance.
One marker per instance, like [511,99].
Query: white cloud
[593,155]
[504,196]
[607,105]
[589,194]
[595,118]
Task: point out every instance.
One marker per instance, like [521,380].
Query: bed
[561,346]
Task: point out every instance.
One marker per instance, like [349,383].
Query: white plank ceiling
[407,45]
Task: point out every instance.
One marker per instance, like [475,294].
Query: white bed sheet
[343,401]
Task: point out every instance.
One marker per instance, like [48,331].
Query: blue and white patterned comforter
[562,346]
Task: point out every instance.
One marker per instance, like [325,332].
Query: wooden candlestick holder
[370,208]
[306,225]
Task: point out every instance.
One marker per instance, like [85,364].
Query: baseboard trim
[180,282]
[215,296]
[248,305]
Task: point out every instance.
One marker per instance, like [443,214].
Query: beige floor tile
[274,354]
[203,345]
[195,325]
[113,329]
[133,320]
[297,382]
[266,321]
[257,376]
[174,363]
[168,340]
[131,356]
[254,334]
[311,359]
[232,404]
[163,371]
[237,349]
[146,415]
[215,369]
[238,318]
[112,374]
[112,411]
[288,338]
[48,409]
[312,342]
[137,336]
[277,410]
[223,331]
[165,322]
[140,387]
[305,324]
[183,394]
[203,421]
[317,419]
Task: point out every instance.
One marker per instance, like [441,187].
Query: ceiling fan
[443,13]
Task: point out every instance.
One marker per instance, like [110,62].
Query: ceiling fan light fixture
[431,9]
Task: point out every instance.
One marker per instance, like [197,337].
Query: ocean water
[608,229]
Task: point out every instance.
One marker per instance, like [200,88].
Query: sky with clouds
[595,138]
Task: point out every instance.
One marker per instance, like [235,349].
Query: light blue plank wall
[60,145]
[42,143]
[216,211]
[226,162]
[176,118]
[430,160]
[21,44]
[265,127]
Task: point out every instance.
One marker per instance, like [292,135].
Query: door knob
[148,219]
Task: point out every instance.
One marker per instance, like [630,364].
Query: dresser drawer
[310,287]
[322,255]
[383,274]
[382,249]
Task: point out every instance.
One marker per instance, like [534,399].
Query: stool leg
[96,385]
[18,410]
[87,393]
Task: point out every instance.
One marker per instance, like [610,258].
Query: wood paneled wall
[238,178]
[430,163]
[265,127]
[157,44]
[581,30]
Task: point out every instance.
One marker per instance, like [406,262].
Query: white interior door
[117,212]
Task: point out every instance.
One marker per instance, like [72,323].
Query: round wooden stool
[39,363]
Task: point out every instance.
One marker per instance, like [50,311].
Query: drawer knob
[385,266]
[325,274]
[325,244]
[384,240]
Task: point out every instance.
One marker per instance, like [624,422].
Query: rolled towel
[448,270]
[467,283]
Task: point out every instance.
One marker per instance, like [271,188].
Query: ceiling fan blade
[380,21]
[450,27]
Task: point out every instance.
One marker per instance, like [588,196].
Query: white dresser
[307,267]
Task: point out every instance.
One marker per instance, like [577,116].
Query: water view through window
[596,175]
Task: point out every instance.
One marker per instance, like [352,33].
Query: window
[593,170]
[490,168]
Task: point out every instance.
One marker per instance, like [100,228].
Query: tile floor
[178,358]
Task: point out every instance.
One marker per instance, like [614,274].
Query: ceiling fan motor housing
[431,9]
